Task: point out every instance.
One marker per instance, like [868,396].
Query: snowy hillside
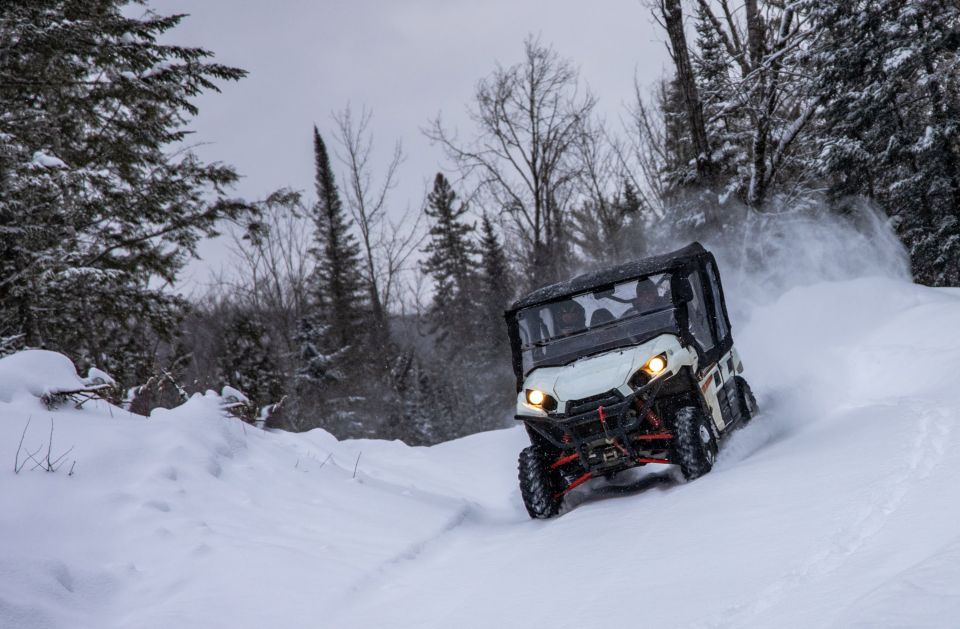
[836,508]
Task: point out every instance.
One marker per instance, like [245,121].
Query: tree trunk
[758,176]
[754,33]
[673,19]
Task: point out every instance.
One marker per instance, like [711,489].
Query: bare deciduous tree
[523,154]
[387,242]
[274,264]
[601,224]
[267,283]
[642,154]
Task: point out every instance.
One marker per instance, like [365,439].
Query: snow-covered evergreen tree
[889,73]
[691,202]
[678,146]
[248,361]
[97,210]
[723,118]
[422,406]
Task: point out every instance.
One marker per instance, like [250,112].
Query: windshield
[626,314]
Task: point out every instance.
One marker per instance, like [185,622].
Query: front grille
[589,431]
[592,403]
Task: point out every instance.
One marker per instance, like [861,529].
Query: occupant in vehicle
[570,318]
[647,298]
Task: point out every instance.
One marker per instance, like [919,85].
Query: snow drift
[835,508]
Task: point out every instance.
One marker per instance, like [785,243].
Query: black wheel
[539,485]
[748,403]
[694,447]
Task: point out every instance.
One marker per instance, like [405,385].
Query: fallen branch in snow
[237,404]
[55,399]
[355,465]
[329,456]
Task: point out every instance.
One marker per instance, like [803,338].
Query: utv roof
[611,275]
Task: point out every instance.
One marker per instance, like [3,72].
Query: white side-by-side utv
[622,367]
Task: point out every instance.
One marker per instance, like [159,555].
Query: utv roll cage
[693,278]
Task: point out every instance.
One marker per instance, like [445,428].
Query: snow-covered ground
[837,507]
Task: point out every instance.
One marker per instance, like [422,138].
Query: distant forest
[345,314]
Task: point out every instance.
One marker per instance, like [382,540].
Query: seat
[601,316]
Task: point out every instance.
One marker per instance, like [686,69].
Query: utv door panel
[710,389]
[719,389]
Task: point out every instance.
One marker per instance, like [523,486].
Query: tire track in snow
[382,572]
[462,511]
[927,450]
[386,570]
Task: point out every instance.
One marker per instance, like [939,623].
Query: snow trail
[833,508]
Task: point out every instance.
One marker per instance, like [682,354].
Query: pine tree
[332,334]
[496,290]
[632,237]
[450,261]
[338,281]
[630,203]
[421,406]
[248,361]
[97,210]
[728,139]
[494,393]
[711,66]
[678,145]
[888,75]
[693,208]
[333,339]
[611,231]
[318,363]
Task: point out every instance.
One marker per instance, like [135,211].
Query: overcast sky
[406,60]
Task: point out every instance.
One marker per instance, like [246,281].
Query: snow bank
[190,518]
[36,373]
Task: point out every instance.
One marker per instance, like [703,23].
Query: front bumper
[607,432]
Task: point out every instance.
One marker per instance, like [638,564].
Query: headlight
[539,399]
[535,397]
[656,365]
[650,370]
